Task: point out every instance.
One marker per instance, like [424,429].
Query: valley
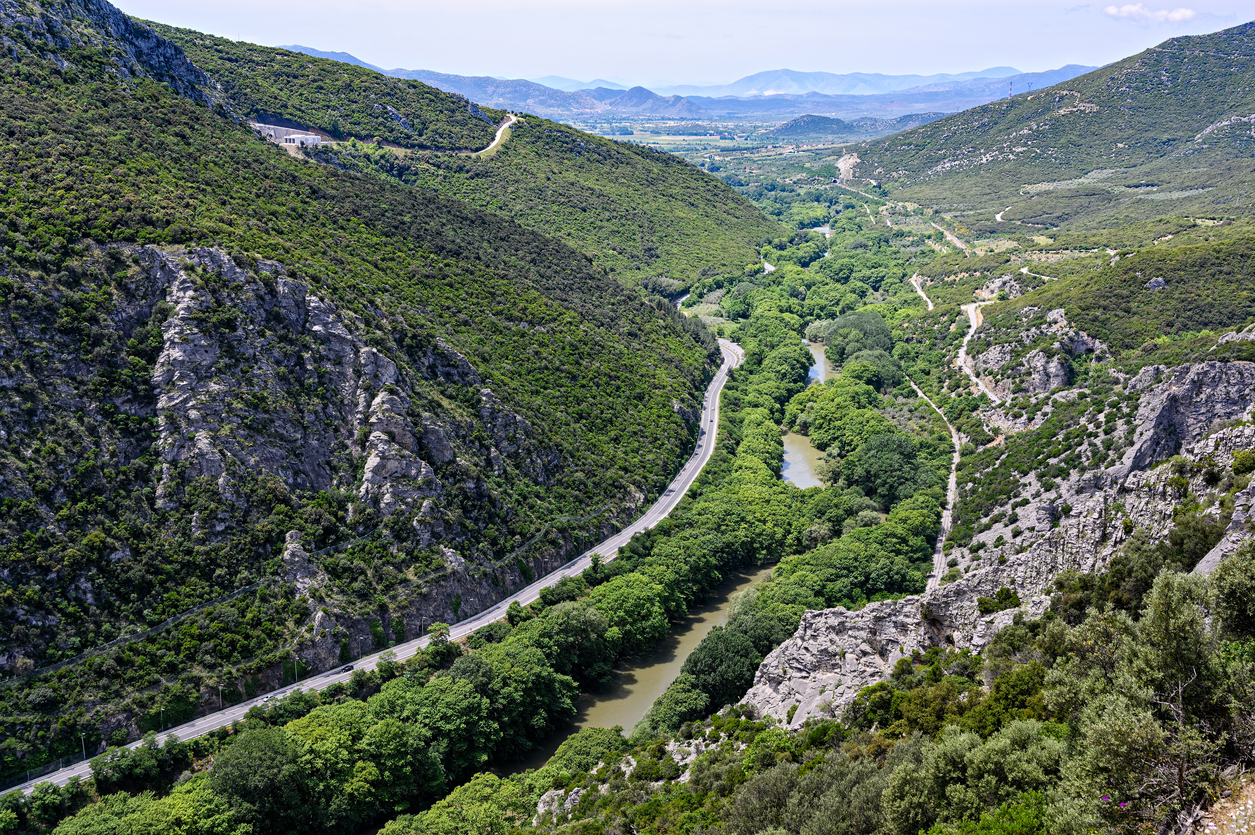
[476,473]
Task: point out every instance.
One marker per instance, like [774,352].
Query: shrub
[1005,598]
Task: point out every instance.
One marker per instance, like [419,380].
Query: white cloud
[1138,13]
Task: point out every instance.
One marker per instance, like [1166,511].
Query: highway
[659,510]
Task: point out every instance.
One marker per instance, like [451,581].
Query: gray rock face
[137,51]
[1042,369]
[1182,411]
[257,383]
[297,568]
[1247,334]
[1045,373]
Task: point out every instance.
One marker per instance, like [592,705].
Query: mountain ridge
[938,92]
[774,82]
[1172,118]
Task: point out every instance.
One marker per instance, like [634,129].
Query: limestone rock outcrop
[1198,412]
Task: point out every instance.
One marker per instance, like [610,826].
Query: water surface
[642,679]
[800,458]
[801,461]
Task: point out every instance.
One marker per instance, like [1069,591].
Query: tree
[261,777]
[682,702]
[633,607]
[887,467]
[460,723]
[1234,581]
[723,666]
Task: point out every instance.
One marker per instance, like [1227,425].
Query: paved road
[707,434]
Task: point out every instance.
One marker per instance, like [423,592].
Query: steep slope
[1170,124]
[265,84]
[207,345]
[635,211]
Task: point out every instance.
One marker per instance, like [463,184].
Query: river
[801,460]
[643,679]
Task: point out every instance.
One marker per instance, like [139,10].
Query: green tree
[887,468]
[633,608]
[1234,581]
[723,666]
[263,781]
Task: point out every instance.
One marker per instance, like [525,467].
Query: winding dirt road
[706,439]
[952,496]
[975,318]
[917,281]
[951,237]
[503,133]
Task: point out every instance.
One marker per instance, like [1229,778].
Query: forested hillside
[637,213]
[208,344]
[268,84]
[1164,131]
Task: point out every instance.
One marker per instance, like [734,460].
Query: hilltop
[1167,130]
[827,129]
[267,84]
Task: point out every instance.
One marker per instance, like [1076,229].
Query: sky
[660,42]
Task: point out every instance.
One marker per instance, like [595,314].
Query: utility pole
[163,718]
[83,742]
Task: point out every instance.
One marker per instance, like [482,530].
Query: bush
[1004,599]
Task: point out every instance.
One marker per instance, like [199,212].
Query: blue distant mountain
[570,85]
[774,95]
[792,82]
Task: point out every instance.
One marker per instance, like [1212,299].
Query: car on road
[347,668]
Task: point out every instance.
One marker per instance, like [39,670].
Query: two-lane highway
[706,439]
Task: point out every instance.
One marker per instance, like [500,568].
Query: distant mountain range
[772,96]
[570,85]
[776,82]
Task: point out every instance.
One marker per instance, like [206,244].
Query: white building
[306,140]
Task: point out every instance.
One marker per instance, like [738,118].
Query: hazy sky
[703,41]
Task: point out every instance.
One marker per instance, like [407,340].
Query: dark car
[347,668]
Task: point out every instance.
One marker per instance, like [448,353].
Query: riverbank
[643,678]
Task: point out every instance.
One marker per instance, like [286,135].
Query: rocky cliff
[1189,423]
[134,50]
[233,405]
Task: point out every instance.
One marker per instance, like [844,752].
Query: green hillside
[636,212]
[1166,131]
[265,83]
[204,345]
[633,210]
